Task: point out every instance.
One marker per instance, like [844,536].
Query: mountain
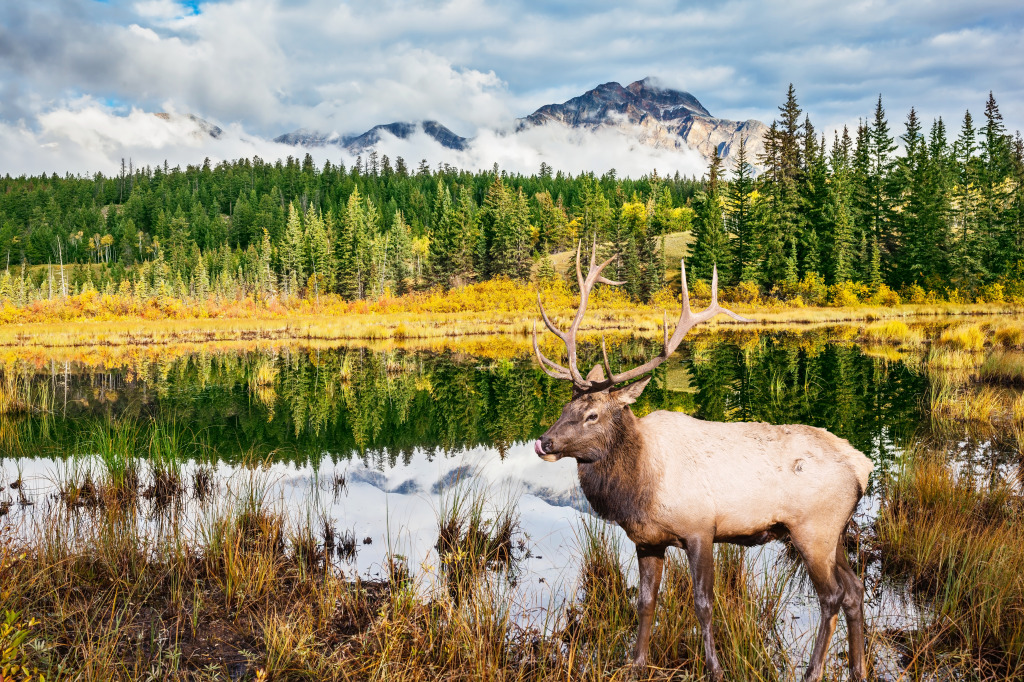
[643,112]
[359,143]
[202,126]
[659,117]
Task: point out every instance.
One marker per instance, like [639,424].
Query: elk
[670,479]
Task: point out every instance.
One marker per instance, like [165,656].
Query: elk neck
[618,481]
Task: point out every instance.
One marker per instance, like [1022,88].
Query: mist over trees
[924,209]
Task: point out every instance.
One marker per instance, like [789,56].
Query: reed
[969,337]
[1004,367]
[958,542]
[894,332]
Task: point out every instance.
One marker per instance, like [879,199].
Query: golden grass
[963,337]
[1002,366]
[895,332]
[960,543]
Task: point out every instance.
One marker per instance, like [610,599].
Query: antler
[551,368]
[687,321]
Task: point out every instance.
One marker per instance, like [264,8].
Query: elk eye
[592,417]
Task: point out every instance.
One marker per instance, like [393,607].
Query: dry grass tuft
[959,541]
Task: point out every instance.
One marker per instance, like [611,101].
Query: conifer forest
[924,209]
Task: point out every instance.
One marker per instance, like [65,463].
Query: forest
[927,215]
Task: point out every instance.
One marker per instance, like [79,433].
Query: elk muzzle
[541,448]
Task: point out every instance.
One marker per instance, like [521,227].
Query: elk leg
[853,607]
[821,566]
[651,560]
[700,553]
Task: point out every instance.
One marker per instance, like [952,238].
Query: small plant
[14,662]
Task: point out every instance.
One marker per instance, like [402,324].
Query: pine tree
[293,250]
[739,218]
[880,218]
[966,267]
[711,243]
[348,246]
[319,262]
[813,190]
[837,216]
[402,253]
[634,226]
[910,177]
[994,170]
[937,209]
[861,203]
[445,239]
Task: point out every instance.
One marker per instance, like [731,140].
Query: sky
[78,78]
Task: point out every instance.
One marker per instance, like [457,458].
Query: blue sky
[272,66]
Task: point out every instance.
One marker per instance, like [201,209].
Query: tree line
[289,228]
[941,215]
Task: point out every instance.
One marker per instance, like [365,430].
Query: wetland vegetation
[232,511]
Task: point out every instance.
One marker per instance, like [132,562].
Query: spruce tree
[994,169]
[880,191]
[739,218]
[445,239]
[293,250]
[349,247]
[837,215]
[711,243]
[966,267]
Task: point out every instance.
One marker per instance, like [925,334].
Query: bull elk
[669,479]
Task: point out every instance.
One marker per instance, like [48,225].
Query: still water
[379,442]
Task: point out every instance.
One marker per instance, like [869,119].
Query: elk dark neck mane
[618,481]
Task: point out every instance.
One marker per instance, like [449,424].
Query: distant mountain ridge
[660,117]
[358,143]
[642,111]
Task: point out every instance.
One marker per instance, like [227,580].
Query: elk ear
[596,374]
[628,394]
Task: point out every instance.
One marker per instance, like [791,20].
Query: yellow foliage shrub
[885,296]
[844,295]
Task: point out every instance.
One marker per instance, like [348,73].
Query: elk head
[593,421]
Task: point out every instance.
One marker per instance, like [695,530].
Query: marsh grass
[473,539]
[958,540]
[894,332]
[969,337]
[1003,367]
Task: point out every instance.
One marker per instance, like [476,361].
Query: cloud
[276,65]
[92,138]
[564,149]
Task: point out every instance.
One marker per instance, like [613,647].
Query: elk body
[669,479]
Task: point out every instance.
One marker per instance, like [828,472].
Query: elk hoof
[640,661]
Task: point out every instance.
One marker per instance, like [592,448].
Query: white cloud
[276,65]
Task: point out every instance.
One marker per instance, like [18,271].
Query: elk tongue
[538,448]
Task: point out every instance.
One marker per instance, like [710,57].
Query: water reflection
[303,405]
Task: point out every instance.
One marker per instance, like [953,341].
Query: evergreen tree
[880,217]
[293,251]
[993,171]
[445,239]
[319,262]
[711,243]
[402,253]
[739,218]
[966,268]
[837,215]
[349,247]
